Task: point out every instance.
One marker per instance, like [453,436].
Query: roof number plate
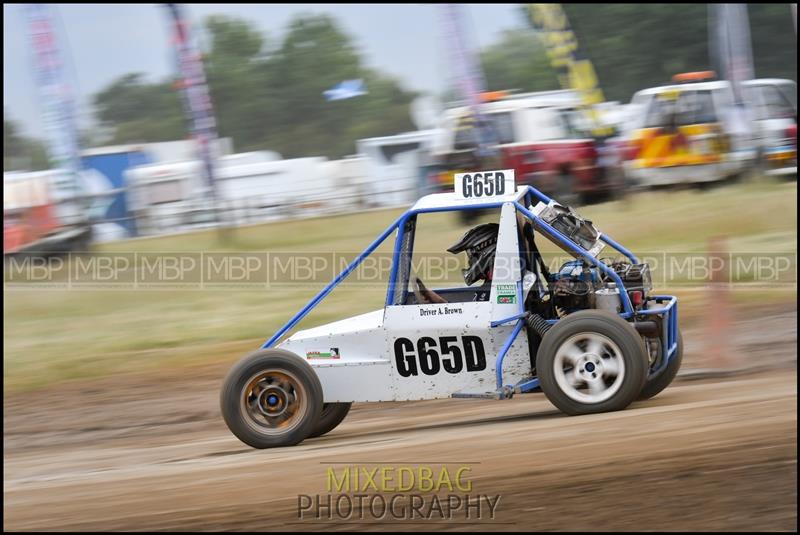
[484,184]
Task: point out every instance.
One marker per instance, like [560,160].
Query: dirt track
[139,453]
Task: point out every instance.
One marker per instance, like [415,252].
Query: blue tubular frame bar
[619,248]
[578,250]
[607,239]
[339,278]
[520,318]
[507,320]
[401,222]
[502,355]
[398,242]
[527,385]
[669,335]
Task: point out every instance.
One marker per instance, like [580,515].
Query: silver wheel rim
[273,402]
[589,368]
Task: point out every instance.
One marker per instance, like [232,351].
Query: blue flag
[346,89]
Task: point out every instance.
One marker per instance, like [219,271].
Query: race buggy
[592,336]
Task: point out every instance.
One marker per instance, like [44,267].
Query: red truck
[540,136]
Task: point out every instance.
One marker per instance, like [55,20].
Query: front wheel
[591,361]
[332,416]
[271,398]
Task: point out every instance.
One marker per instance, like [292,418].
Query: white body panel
[367,366]
[361,372]
[462,324]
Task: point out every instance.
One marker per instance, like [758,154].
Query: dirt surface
[144,452]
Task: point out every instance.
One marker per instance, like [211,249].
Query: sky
[107,41]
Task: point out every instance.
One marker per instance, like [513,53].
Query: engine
[636,277]
[578,286]
[574,286]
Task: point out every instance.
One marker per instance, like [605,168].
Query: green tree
[518,61]
[634,46]
[315,55]
[383,112]
[21,153]
[268,97]
[139,112]
[238,78]
[774,40]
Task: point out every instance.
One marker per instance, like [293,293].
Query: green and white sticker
[506,294]
[332,354]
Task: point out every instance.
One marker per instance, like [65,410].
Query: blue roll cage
[668,311]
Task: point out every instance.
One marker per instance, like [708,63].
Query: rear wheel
[591,361]
[655,385]
[332,416]
[271,398]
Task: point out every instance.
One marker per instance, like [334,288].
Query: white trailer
[394,166]
[251,187]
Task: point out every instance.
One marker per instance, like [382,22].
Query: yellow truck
[687,132]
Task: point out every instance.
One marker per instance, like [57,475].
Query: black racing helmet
[480,244]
